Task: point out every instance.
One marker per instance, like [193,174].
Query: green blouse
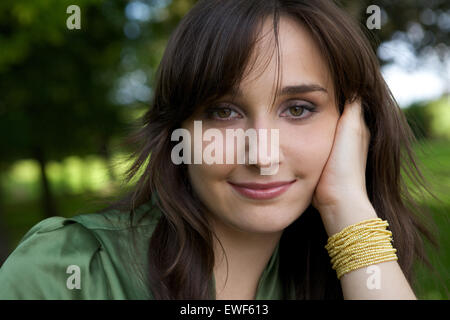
[94,256]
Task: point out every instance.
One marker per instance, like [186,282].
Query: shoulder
[37,268]
[77,258]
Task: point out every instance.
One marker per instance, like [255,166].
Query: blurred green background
[69,97]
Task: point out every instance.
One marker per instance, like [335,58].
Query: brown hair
[204,59]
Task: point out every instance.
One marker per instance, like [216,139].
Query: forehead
[300,60]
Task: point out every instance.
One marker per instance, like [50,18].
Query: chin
[268,219]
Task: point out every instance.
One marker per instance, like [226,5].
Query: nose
[266,154]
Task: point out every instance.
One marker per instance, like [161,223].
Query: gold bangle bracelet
[361,244]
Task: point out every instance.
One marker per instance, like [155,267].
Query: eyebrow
[289,90]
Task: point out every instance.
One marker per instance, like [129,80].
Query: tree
[423,24]
[55,83]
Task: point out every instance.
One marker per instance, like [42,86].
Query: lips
[262,191]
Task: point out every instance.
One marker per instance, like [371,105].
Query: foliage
[423,24]
[430,119]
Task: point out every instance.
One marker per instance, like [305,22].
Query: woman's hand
[340,195]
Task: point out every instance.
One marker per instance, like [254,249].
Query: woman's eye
[297,112]
[222,113]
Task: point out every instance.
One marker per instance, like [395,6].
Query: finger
[353,107]
[350,114]
[354,117]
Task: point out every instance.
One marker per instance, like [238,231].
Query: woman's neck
[247,255]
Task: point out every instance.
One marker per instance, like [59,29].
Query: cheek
[207,180]
[308,148]
[206,173]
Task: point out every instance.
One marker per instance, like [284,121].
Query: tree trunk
[48,204]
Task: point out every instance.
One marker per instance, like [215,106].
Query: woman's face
[306,122]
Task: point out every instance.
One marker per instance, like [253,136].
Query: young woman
[225,231]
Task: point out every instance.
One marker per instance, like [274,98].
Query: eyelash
[210,111]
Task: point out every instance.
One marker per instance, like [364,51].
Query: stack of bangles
[359,245]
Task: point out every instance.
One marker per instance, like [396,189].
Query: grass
[435,157]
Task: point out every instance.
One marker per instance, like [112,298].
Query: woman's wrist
[361,244]
[340,215]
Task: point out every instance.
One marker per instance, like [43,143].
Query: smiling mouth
[262,191]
